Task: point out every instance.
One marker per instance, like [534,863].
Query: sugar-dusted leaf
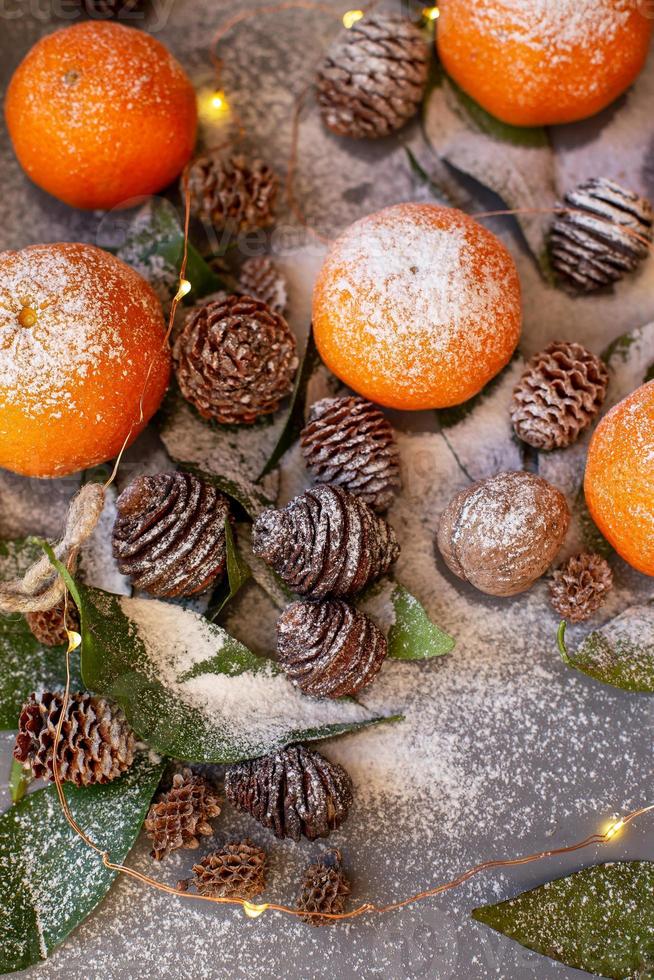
[600,919]
[19,781]
[192,691]
[620,653]
[50,880]
[238,573]
[629,360]
[411,633]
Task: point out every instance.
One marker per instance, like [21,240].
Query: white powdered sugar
[553,27]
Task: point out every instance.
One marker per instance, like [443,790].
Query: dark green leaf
[19,781]
[620,653]
[238,573]
[50,880]
[600,919]
[192,691]
[530,136]
[413,636]
[201,276]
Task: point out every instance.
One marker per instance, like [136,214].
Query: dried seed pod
[232,192]
[348,442]
[580,586]
[48,626]
[260,277]
[237,870]
[502,533]
[181,814]
[558,396]
[325,889]
[329,649]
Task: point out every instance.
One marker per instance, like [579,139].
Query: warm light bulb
[614,829]
[254,911]
[74,640]
[431,13]
[184,289]
[350,17]
[218,100]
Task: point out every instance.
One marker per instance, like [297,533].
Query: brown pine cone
[235,359]
[558,396]
[601,238]
[96,744]
[169,535]
[103,9]
[232,192]
[580,586]
[260,277]
[373,77]
[48,625]
[182,813]
[349,443]
[237,870]
[325,542]
[325,889]
[329,649]
[293,791]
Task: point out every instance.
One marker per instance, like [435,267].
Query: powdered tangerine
[619,481]
[417,306]
[100,113]
[82,339]
[540,62]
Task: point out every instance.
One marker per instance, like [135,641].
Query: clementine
[82,346]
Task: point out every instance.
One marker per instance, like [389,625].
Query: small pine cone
[580,586]
[103,9]
[325,889]
[49,626]
[329,649]
[235,359]
[232,192]
[373,77]
[237,870]
[96,744]
[292,791]
[600,239]
[169,535]
[349,443]
[558,396]
[260,277]
[325,542]
[182,813]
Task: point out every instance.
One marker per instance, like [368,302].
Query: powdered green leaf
[413,636]
[620,653]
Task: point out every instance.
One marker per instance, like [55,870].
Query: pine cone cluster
[260,277]
[325,542]
[96,743]
[580,586]
[558,396]
[181,814]
[232,192]
[293,792]
[237,870]
[324,890]
[329,649]
[602,236]
[48,626]
[235,359]
[169,535]
[349,443]
[373,77]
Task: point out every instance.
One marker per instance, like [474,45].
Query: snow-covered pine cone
[349,443]
[373,77]
[329,649]
[325,889]
[48,626]
[580,586]
[237,870]
[182,814]
[96,743]
[232,192]
[293,792]
[260,277]
[235,359]
[560,393]
[169,535]
[325,542]
[600,238]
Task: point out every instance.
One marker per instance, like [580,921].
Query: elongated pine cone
[181,815]
[49,626]
[235,359]
[558,396]
[325,542]
[293,792]
[373,77]
[260,277]
[169,535]
[325,889]
[349,443]
[329,649]
[237,870]
[96,744]
[580,586]
[601,238]
[232,192]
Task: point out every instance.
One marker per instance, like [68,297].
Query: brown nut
[502,533]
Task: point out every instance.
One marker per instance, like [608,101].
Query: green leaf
[203,279]
[238,573]
[19,781]
[192,691]
[50,880]
[620,653]
[629,360]
[531,136]
[600,919]
[413,636]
